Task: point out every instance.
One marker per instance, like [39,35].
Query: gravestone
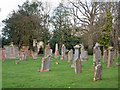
[63,52]
[35,55]
[51,52]
[85,56]
[25,48]
[110,56]
[98,72]
[2,54]
[96,54]
[47,51]
[56,51]
[78,67]
[82,55]
[23,55]
[45,63]
[77,53]
[70,55]
[11,51]
[104,56]
[46,60]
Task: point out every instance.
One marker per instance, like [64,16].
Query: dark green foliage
[90,51]
[5,41]
[40,50]
[27,23]
[106,30]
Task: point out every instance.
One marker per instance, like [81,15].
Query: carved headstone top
[77,47]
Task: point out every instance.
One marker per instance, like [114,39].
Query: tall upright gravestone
[46,60]
[104,56]
[35,53]
[70,55]
[63,52]
[96,55]
[84,54]
[77,54]
[110,56]
[56,51]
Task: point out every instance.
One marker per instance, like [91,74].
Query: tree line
[71,22]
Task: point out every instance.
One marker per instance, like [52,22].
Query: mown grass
[25,75]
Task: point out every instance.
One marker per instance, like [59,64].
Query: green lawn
[25,75]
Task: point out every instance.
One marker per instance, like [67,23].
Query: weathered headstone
[2,54]
[77,53]
[23,55]
[25,48]
[98,72]
[51,52]
[47,51]
[85,56]
[63,52]
[105,56]
[35,55]
[78,68]
[11,51]
[46,60]
[56,51]
[110,56]
[45,63]
[96,54]
[82,53]
[70,55]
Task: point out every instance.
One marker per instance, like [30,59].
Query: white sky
[7,6]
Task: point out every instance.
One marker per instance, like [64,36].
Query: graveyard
[25,75]
[65,44]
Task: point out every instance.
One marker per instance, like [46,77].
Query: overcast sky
[7,6]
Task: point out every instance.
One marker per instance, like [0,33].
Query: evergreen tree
[106,30]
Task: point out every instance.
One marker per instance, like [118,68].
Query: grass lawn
[25,75]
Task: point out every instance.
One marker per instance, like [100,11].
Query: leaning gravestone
[96,55]
[45,63]
[77,63]
[105,56]
[63,52]
[56,51]
[77,53]
[70,55]
[110,56]
[98,72]
[46,60]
